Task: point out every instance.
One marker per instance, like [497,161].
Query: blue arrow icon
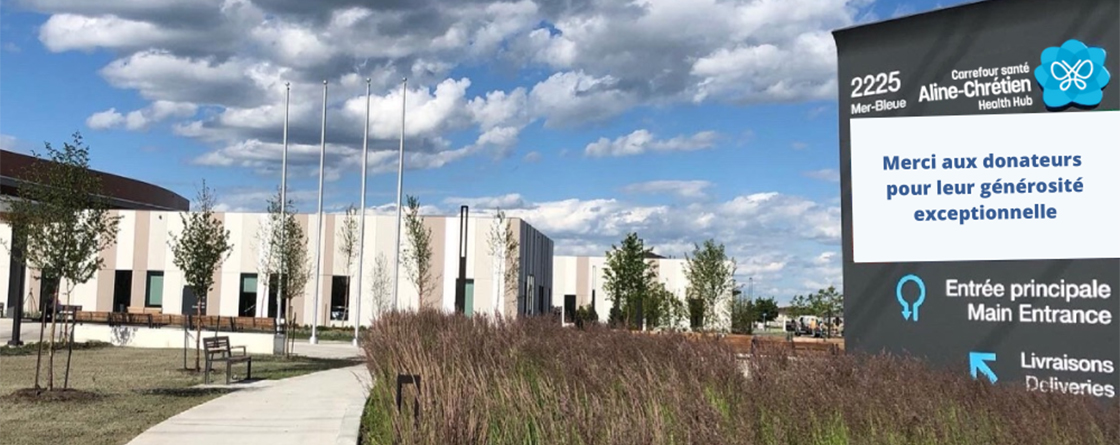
[906,305]
[978,363]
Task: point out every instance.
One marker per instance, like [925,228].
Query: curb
[351,424]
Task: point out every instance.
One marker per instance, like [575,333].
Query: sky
[681,120]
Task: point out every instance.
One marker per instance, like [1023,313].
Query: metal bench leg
[229,371]
[249,373]
[206,373]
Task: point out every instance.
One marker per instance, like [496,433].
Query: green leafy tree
[586,316]
[418,253]
[673,312]
[711,280]
[827,304]
[766,309]
[743,315]
[628,280]
[61,223]
[198,251]
[800,306]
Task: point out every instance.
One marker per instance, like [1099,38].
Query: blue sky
[681,120]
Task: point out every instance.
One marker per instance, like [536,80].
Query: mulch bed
[57,395]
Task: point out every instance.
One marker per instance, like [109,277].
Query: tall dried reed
[533,382]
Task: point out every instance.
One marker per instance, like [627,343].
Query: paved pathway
[29,332]
[320,408]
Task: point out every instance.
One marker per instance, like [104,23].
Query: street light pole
[283,220]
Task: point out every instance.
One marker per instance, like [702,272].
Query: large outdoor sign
[980,154]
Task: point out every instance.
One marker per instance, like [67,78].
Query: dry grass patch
[532,382]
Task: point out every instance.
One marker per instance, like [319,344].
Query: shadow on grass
[185,392]
[36,395]
[278,367]
[33,348]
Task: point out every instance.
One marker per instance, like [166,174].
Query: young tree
[504,257]
[198,251]
[711,279]
[827,303]
[799,306]
[348,246]
[676,312]
[380,285]
[286,246]
[65,224]
[418,253]
[742,316]
[628,279]
[766,309]
[663,308]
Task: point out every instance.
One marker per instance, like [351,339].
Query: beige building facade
[139,272]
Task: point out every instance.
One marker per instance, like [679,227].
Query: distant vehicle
[808,325]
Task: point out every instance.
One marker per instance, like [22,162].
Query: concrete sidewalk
[320,408]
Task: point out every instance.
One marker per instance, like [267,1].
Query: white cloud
[642,141]
[798,145]
[161,75]
[63,32]
[240,199]
[801,69]
[505,202]
[786,243]
[532,156]
[595,61]
[8,142]
[683,189]
[571,98]
[824,174]
[142,118]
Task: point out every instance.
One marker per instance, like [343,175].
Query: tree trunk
[50,359]
[39,358]
[198,334]
[69,341]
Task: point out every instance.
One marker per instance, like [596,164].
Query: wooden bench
[218,350]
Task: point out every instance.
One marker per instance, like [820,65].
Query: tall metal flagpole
[400,182]
[362,232]
[319,222]
[283,210]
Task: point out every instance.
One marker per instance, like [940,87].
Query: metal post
[400,183]
[283,214]
[17,272]
[319,223]
[357,316]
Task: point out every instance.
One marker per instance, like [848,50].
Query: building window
[569,308]
[153,295]
[340,296]
[247,302]
[122,290]
[530,298]
[468,298]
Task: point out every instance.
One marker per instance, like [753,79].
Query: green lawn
[135,388]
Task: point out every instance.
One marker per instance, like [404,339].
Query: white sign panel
[986,187]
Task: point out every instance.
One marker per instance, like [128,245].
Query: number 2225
[873,84]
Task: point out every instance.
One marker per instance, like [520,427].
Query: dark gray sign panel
[980,177]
